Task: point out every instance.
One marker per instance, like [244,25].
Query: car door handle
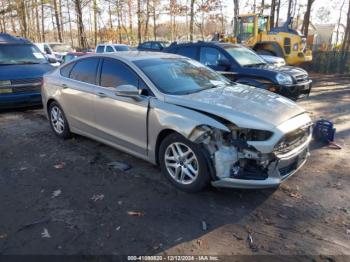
[101,95]
[64,86]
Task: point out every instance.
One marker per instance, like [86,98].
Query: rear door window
[156,46]
[85,70]
[210,56]
[188,51]
[100,49]
[147,45]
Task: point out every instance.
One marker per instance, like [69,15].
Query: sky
[333,6]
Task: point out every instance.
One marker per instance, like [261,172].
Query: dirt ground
[61,197]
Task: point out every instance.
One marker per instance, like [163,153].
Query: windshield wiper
[28,62]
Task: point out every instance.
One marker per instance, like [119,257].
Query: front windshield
[121,48]
[61,47]
[180,76]
[15,54]
[244,56]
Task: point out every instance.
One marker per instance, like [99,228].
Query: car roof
[112,44]
[137,55]
[206,43]
[10,39]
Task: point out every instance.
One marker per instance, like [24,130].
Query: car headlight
[284,79]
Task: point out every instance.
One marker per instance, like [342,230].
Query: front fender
[164,116]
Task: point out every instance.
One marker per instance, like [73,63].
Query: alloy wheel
[181,163]
[57,119]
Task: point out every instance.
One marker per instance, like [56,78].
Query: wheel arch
[272,47]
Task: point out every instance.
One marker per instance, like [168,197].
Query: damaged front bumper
[283,167]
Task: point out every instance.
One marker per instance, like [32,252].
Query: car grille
[288,169]
[25,89]
[26,81]
[26,85]
[302,78]
[292,140]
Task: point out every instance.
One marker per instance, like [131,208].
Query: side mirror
[128,91]
[224,63]
[52,60]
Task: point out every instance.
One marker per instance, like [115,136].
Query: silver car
[175,112]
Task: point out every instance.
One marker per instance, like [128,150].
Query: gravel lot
[61,197]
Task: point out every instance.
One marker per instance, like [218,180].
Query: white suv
[110,48]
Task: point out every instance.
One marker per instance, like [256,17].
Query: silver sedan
[174,112]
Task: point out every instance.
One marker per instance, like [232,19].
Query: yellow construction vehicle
[253,30]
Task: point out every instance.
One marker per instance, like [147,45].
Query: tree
[306,23]
[191,19]
[81,33]
[289,13]
[58,23]
[272,13]
[235,14]
[139,22]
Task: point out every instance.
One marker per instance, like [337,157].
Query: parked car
[243,65]
[154,46]
[173,111]
[110,48]
[72,55]
[58,50]
[274,60]
[22,66]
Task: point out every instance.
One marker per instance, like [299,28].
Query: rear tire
[58,121]
[183,163]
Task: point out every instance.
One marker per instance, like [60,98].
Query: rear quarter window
[85,70]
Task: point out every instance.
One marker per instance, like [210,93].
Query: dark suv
[22,66]
[241,64]
[154,46]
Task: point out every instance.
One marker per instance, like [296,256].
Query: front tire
[58,121]
[184,163]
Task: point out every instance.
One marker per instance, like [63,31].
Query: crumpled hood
[262,70]
[12,72]
[244,106]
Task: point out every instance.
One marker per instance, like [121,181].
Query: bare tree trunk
[22,15]
[307,17]
[95,21]
[262,6]
[81,33]
[37,18]
[191,19]
[278,13]
[139,37]
[289,8]
[61,17]
[235,14]
[339,21]
[154,21]
[110,15]
[70,24]
[147,19]
[130,18]
[58,23]
[118,20]
[272,13]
